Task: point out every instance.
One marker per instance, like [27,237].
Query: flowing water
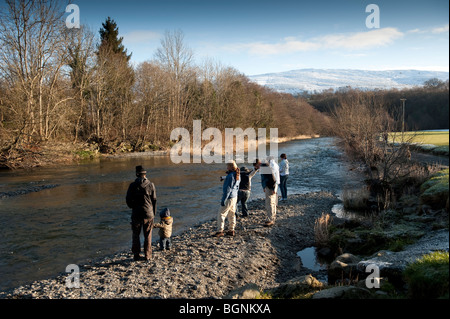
[53,217]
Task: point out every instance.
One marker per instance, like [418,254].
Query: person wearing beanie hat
[141,198]
[165,229]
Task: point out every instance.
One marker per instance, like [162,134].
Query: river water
[83,215]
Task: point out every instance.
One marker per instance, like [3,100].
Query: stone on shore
[296,286]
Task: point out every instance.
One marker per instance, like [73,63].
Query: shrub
[428,276]
[321,229]
[356,199]
[84,154]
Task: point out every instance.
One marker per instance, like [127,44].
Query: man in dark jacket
[245,187]
[141,198]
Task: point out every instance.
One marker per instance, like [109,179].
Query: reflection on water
[86,216]
[310,260]
[341,212]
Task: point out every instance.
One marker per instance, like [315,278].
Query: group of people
[141,198]
[237,189]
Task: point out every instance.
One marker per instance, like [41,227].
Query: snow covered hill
[298,81]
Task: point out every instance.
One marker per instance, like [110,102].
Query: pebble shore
[199,265]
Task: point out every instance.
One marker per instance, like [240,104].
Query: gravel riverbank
[199,265]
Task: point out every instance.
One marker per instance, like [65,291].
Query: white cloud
[353,41]
[361,40]
[355,55]
[140,36]
[442,29]
[436,30]
[288,45]
[415,31]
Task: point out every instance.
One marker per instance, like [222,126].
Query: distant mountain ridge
[298,81]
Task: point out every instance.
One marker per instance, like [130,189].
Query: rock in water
[343,267]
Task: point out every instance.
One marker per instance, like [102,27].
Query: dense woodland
[426,107]
[79,86]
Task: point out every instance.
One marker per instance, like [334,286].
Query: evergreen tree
[110,40]
[114,80]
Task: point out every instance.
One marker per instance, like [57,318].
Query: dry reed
[321,229]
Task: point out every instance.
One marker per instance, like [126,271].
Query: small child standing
[165,229]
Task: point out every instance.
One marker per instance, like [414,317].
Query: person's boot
[231,233]
[219,234]
[269,223]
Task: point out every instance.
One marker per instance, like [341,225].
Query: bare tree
[59,84]
[81,52]
[32,55]
[152,96]
[368,131]
[176,58]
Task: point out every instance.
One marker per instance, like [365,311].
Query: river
[82,214]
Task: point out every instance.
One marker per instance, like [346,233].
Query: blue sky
[263,36]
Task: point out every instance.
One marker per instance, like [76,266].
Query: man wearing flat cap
[141,198]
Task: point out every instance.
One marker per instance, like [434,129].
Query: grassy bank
[434,142]
[428,276]
[435,138]
[435,191]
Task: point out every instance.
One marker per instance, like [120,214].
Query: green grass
[436,143]
[435,191]
[428,276]
[438,179]
[431,138]
[84,154]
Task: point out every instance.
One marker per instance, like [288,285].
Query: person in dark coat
[141,198]
[245,188]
